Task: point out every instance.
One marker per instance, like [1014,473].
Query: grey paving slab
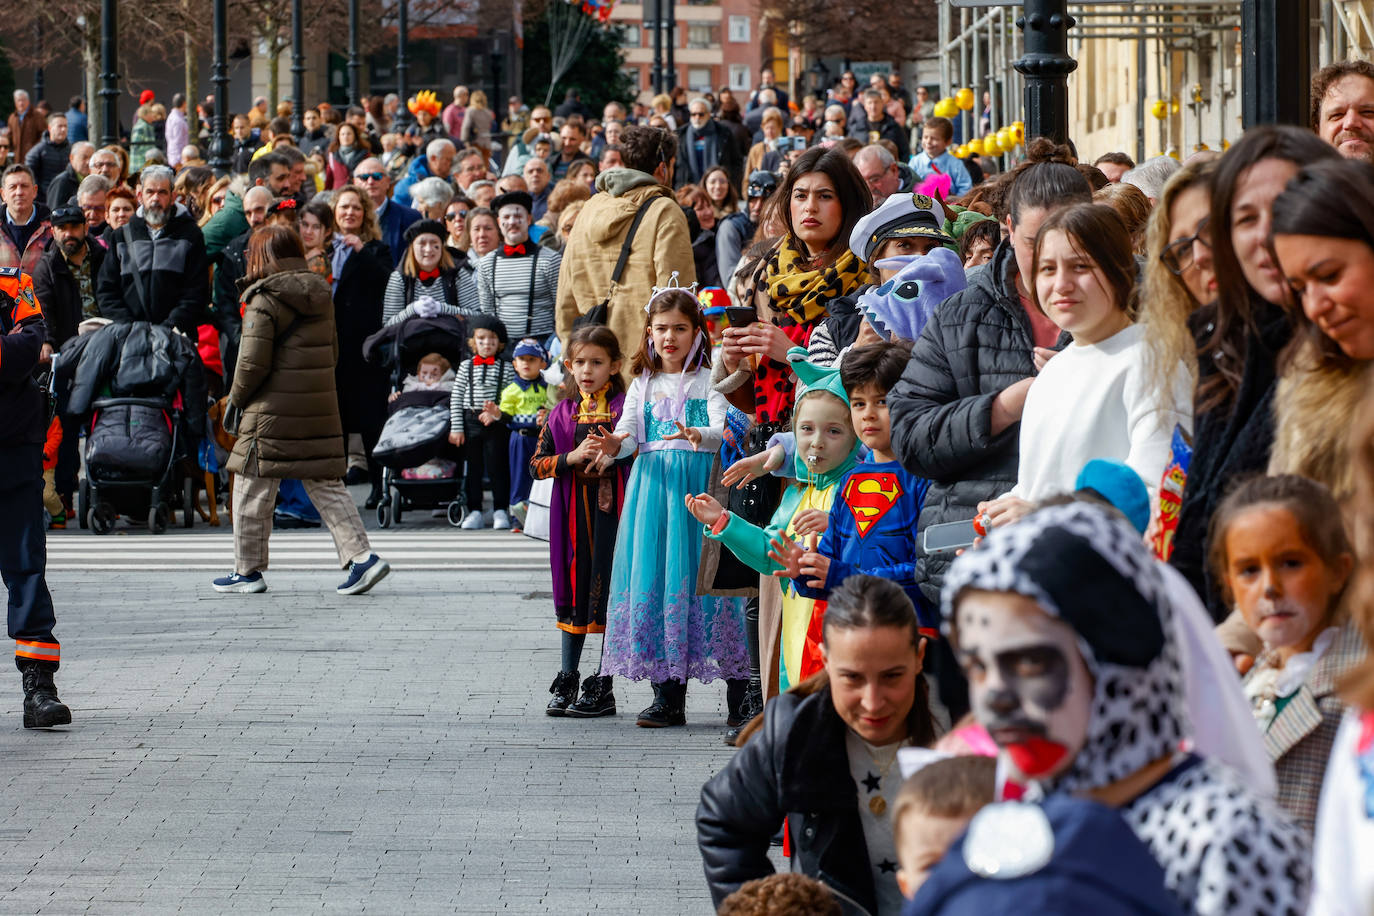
[298,752]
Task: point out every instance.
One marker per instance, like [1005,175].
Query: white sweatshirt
[1096,401]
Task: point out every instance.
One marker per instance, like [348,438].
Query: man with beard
[1343,107]
[64,282]
[233,266]
[156,268]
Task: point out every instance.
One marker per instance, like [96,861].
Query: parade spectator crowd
[1025,511]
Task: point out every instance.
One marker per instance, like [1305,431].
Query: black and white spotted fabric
[1223,849]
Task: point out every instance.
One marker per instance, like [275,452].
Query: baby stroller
[134,448]
[417,426]
[140,391]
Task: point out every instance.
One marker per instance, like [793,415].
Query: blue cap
[528,346]
[1117,483]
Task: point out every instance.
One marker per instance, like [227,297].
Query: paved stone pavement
[297,751]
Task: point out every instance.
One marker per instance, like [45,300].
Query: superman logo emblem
[870,496]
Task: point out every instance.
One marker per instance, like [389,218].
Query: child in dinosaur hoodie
[826,450]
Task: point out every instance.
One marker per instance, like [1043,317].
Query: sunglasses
[456,217]
[370,176]
[1178,256]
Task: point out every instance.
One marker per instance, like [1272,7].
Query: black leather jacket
[796,767]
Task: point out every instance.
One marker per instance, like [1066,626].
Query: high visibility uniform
[23,540]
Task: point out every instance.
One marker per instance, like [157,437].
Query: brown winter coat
[24,135]
[661,245]
[1313,411]
[284,380]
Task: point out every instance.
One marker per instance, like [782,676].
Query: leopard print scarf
[803,292]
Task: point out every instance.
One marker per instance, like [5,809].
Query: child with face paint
[823,758]
[1065,629]
[826,449]
[1279,548]
[1085,273]
[657,627]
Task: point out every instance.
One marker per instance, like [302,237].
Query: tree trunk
[272,39]
[192,73]
[90,59]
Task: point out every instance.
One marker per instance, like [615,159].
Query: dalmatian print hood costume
[1223,849]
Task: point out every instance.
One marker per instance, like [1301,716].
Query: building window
[632,36]
[632,74]
[702,35]
[698,79]
[739,77]
[739,28]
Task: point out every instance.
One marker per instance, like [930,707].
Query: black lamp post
[354,63]
[39,89]
[297,72]
[402,66]
[657,6]
[109,91]
[669,18]
[1046,67]
[220,146]
[1274,46]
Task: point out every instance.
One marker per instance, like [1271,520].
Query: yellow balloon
[1160,109]
[1018,128]
[964,99]
[975,146]
[946,108]
[1005,141]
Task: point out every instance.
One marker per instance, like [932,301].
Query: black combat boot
[564,690]
[42,708]
[750,706]
[597,699]
[668,707]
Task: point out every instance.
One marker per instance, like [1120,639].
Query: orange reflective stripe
[42,651]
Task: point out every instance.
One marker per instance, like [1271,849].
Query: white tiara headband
[672,285]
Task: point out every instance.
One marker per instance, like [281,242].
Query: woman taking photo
[361,264]
[1233,426]
[284,385]
[825,759]
[428,271]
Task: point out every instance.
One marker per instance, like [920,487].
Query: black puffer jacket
[133,359]
[977,343]
[164,280]
[796,767]
[1229,442]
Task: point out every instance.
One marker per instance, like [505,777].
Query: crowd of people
[1022,513]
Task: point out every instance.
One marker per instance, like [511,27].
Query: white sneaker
[472,521]
[500,520]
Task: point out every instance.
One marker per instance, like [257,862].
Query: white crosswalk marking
[424,549]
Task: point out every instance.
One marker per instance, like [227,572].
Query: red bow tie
[428,275]
[513,250]
[484,360]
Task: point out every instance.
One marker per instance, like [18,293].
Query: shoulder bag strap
[138,274]
[625,251]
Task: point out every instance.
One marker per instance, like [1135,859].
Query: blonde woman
[771,125]
[477,121]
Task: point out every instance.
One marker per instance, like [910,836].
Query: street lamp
[297,73]
[402,66]
[219,75]
[354,63]
[109,91]
[1046,66]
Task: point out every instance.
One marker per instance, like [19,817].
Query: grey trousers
[256,497]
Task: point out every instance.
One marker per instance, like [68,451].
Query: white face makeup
[1028,685]
[824,434]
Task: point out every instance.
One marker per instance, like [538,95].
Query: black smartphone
[740,316]
[949,537]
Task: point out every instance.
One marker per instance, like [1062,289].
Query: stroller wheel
[384,513]
[396,503]
[102,518]
[157,519]
[455,513]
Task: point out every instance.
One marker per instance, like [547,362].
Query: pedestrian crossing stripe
[297,551]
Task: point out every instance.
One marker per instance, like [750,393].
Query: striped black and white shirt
[394,300]
[473,386]
[503,289]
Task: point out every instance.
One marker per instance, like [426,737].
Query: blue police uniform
[23,540]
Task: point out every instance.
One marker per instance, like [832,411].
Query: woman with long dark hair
[1324,242]
[1242,335]
[811,264]
[824,758]
[361,264]
[284,385]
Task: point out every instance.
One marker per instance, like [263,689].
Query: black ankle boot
[668,707]
[42,708]
[374,498]
[736,692]
[596,700]
[750,706]
[564,690]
